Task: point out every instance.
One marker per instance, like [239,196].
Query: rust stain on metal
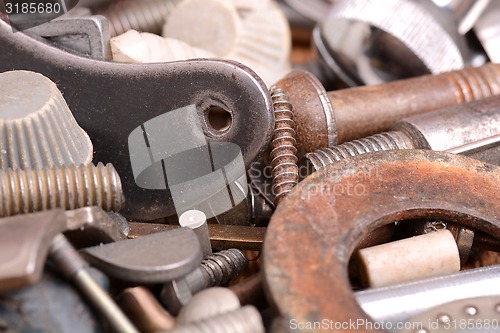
[306,273]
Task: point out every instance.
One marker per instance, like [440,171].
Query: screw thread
[145,16]
[383,141]
[220,268]
[243,320]
[68,187]
[476,83]
[285,171]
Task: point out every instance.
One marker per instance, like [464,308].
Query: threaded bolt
[283,146]
[68,187]
[144,16]
[219,268]
[384,141]
[215,270]
[244,320]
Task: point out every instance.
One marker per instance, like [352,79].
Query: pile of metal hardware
[223,166]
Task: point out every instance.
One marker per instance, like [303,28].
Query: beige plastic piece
[414,258]
[265,37]
[208,303]
[212,25]
[136,47]
[37,128]
[197,221]
[253,32]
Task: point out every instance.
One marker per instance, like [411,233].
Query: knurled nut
[415,26]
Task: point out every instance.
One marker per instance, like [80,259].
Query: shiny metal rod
[401,302]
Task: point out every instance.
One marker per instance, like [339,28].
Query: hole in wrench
[218,118]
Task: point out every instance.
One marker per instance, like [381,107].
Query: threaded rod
[68,187]
[219,268]
[384,141]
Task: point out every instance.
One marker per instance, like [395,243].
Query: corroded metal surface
[317,227]
[312,111]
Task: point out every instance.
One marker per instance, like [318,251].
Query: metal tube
[401,302]
[73,267]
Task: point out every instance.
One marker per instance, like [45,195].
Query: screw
[327,119]
[145,16]
[68,187]
[215,270]
[74,268]
[219,268]
[285,172]
[244,320]
[454,129]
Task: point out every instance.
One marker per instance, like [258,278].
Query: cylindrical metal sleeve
[455,126]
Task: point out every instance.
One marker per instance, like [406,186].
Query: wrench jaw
[109,100]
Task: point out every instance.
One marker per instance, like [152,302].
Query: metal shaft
[73,268]
[457,129]
[401,302]
[327,119]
